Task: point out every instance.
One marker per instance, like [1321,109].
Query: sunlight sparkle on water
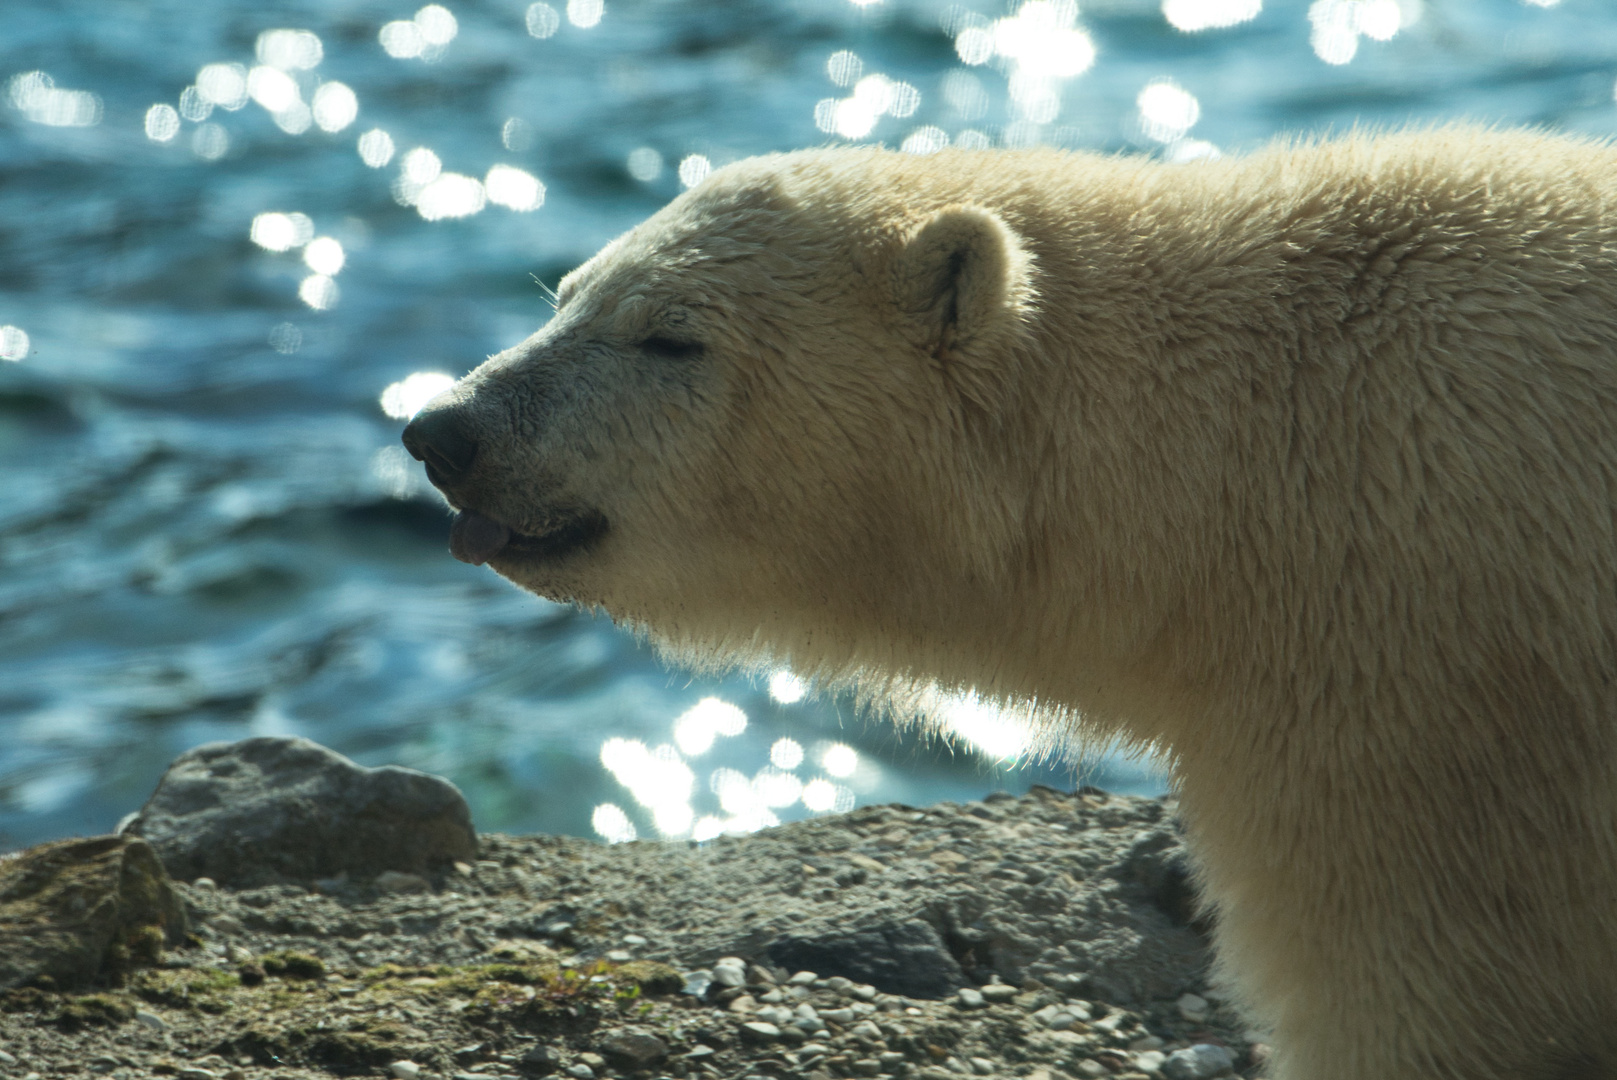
[873,97]
[697,727]
[403,399]
[844,67]
[193,106]
[658,779]
[324,255]
[13,343]
[275,231]
[289,50]
[645,164]
[543,20]
[585,13]
[694,169]
[335,106]
[925,140]
[823,797]
[786,687]
[224,85]
[1167,110]
[983,725]
[162,123]
[272,88]
[839,759]
[1193,15]
[36,95]
[612,824]
[786,753]
[451,195]
[210,142]
[376,148]
[423,37]
[514,188]
[319,292]
[1335,26]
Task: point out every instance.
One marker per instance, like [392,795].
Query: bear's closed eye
[671,348]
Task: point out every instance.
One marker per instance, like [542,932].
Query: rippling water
[231,232]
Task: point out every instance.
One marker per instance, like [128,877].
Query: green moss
[652,978]
[26,999]
[108,1010]
[293,965]
[202,988]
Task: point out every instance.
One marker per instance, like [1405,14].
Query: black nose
[440,438]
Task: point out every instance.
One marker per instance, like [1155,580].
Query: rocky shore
[318,919]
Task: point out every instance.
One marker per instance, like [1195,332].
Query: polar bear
[1302,467]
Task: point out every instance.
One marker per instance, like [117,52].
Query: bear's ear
[965,280]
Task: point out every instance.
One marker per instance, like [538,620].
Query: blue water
[206,528]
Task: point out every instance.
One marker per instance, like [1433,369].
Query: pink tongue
[475,539]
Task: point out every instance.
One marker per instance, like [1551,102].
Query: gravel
[1043,937]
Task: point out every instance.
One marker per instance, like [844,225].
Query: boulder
[269,810]
[74,912]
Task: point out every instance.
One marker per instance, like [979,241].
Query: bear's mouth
[477,539]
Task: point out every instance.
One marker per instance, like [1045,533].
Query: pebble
[729,974]
[776,1014]
[1193,1007]
[760,1030]
[405,1070]
[542,1059]
[581,1071]
[396,881]
[1150,1061]
[865,1067]
[227,924]
[635,1049]
[7,1059]
[968,998]
[204,883]
[1090,1069]
[839,984]
[191,1072]
[813,1048]
[803,978]
[743,1004]
[697,982]
[633,939]
[839,1016]
[999,993]
[982,1066]
[1200,1062]
[620,956]
[863,993]
[866,1029]
[149,1019]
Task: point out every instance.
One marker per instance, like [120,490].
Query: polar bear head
[776,403]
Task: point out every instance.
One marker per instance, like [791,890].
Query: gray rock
[634,1049]
[541,1060]
[1200,1062]
[970,998]
[77,910]
[580,1072]
[895,957]
[760,1031]
[264,810]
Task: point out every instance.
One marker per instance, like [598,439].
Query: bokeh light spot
[289,50]
[324,255]
[224,85]
[786,753]
[319,292]
[612,824]
[1167,110]
[514,188]
[275,231]
[335,106]
[1193,15]
[839,759]
[585,13]
[786,687]
[376,148]
[694,169]
[403,399]
[543,20]
[438,24]
[36,95]
[210,142]
[162,123]
[844,67]
[645,164]
[13,343]
[451,195]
